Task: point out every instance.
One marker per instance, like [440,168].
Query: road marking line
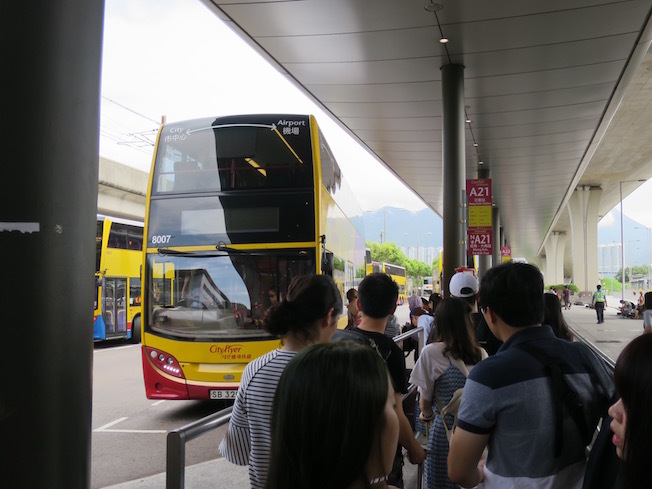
[106,429]
[108,425]
[158,402]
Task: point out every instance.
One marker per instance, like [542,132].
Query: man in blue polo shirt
[508,403]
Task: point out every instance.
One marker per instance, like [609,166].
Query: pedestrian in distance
[307,314]
[599,302]
[332,429]
[567,301]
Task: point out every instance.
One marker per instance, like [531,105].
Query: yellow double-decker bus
[118,257]
[397,273]
[236,207]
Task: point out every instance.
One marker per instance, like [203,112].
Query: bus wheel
[135,330]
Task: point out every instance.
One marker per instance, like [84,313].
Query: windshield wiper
[191,254]
[222,246]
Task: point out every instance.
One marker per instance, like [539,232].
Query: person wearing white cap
[465,286]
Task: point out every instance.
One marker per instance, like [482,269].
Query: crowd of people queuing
[510,400]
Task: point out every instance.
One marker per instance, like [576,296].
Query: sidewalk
[214,473]
[611,336]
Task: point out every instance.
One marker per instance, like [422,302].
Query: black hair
[553,317]
[514,291]
[351,294]
[378,294]
[328,411]
[308,299]
[454,328]
[633,381]
[435,298]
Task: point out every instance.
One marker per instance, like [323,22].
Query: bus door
[114,306]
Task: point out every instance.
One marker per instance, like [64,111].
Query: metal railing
[601,355]
[175,465]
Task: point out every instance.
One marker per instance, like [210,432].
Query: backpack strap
[562,394]
[454,404]
[358,337]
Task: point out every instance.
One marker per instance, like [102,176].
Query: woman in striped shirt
[308,314]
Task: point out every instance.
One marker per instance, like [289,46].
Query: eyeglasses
[483,309]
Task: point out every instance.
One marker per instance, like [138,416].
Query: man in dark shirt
[377,295]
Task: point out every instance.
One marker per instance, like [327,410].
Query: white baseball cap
[463,285]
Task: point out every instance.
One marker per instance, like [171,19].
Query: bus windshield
[216,297]
[228,155]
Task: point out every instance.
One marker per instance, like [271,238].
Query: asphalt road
[129,430]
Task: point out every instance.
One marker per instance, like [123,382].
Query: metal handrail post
[175,472]
[175,466]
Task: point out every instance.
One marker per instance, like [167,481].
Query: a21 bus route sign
[480,241]
[478,191]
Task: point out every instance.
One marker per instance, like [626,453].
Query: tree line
[390,253]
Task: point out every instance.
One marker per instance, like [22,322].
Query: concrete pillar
[51,65]
[495,221]
[554,262]
[454,169]
[583,211]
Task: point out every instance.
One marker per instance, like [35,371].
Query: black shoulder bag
[562,394]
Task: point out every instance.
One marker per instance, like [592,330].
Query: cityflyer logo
[230,352]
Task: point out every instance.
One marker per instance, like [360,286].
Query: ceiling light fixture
[443,40]
[468,121]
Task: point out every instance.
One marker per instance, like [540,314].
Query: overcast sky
[176,58]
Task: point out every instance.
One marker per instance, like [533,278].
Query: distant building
[609,259]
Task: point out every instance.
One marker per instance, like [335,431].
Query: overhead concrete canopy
[545,91]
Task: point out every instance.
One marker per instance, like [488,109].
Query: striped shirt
[248,438]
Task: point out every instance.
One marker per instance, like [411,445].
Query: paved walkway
[610,337]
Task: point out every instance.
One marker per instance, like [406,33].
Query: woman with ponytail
[308,314]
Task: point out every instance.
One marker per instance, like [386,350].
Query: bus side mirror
[327,263]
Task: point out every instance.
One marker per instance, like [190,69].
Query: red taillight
[164,362]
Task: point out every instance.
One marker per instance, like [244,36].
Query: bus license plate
[223,394]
